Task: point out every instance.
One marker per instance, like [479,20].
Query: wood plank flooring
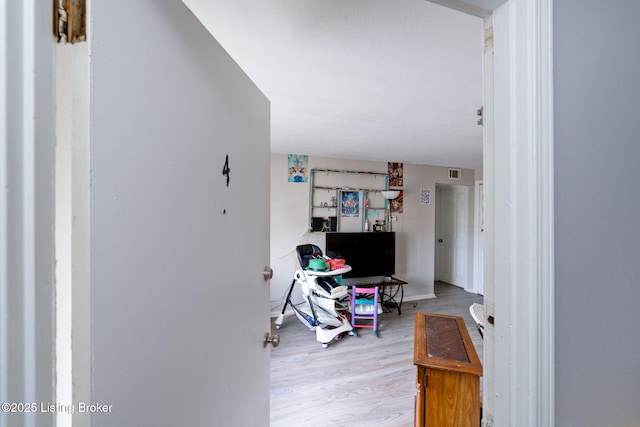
[357,381]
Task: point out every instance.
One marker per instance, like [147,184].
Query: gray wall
[26,211]
[597,150]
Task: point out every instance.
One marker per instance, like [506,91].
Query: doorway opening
[453,236]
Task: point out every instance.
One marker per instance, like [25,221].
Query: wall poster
[350,204]
[397,205]
[425,196]
[395,174]
[298,167]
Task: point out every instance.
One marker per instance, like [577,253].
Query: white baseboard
[288,312]
[419,297]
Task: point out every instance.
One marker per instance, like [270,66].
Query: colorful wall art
[350,204]
[298,168]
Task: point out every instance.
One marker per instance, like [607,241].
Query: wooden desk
[448,373]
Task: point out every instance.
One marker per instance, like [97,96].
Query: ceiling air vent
[455,173]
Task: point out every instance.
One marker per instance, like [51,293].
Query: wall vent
[455,174]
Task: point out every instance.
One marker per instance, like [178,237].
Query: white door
[179,223]
[452,235]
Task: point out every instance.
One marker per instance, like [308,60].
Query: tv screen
[368,254]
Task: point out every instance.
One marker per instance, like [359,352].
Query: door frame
[526,392]
[478,246]
[27,261]
[519,237]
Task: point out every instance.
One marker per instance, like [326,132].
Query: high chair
[364,307]
[320,310]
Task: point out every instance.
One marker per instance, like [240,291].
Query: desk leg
[381,298]
[391,301]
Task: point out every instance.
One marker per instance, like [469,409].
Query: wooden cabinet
[448,373]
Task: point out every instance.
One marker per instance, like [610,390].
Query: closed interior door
[452,235]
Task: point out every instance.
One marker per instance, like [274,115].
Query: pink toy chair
[361,304]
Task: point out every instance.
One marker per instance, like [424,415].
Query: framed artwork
[298,167]
[350,204]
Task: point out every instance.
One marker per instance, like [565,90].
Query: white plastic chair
[477,312]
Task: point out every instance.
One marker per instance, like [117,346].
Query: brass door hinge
[70,20]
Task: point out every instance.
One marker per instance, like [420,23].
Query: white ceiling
[385,80]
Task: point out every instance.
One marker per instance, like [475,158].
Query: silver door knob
[267,273]
[273,339]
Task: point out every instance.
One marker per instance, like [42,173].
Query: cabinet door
[452,399]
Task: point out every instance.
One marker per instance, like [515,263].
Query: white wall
[415,228]
[597,210]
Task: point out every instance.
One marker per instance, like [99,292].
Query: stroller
[321,292]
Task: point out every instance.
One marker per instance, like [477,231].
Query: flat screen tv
[369,254]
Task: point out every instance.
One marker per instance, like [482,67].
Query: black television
[370,254]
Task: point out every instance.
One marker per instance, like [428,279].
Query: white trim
[489,190]
[419,297]
[544,347]
[26,210]
[478,276]
[4,211]
[519,194]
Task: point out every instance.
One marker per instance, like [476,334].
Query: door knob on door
[440,240]
[273,339]
[267,273]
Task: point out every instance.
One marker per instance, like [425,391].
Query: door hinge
[70,20]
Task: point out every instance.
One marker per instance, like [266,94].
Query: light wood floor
[357,381]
